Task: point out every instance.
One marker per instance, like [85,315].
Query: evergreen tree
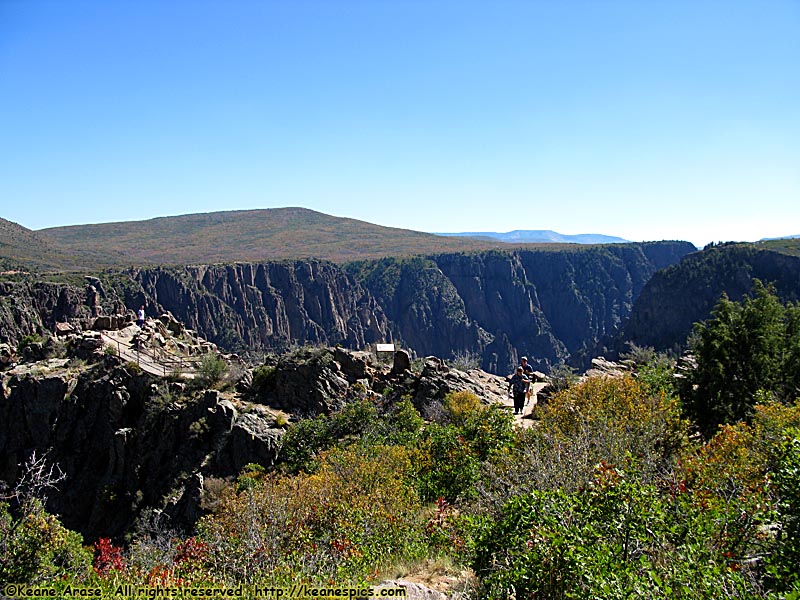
[747,348]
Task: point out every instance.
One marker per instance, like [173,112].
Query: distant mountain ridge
[539,236]
[783,237]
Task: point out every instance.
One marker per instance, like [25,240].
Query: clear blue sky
[647,119]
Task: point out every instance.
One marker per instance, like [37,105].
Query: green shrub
[487,428]
[783,565]
[35,547]
[400,423]
[616,418]
[28,341]
[619,421]
[447,468]
[465,360]
[461,406]
[358,389]
[133,368]
[252,474]
[360,421]
[198,428]
[615,538]
[345,522]
[562,376]
[302,442]
[745,349]
[639,355]
[658,375]
[263,380]
[211,370]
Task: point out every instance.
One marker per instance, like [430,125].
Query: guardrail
[157,359]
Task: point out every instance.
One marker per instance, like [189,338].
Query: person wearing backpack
[527,370]
[518,385]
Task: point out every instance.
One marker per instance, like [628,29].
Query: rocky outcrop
[30,307]
[129,442]
[306,382]
[125,441]
[311,381]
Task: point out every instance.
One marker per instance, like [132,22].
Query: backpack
[519,385]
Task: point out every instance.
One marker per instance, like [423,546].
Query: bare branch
[38,477]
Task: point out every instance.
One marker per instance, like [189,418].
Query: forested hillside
[685,293]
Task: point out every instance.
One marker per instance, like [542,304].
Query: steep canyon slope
[685,293]
[550,304]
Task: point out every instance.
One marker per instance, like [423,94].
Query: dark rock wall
[550,306]
[125,444]
[28,307]
[503,302]
[685,293]
[268,306]
[498,305]
[423,305]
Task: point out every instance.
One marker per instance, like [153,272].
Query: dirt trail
[522,419]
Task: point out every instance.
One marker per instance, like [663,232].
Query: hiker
[518,384]
[526,368]
[140,317]
[528,371]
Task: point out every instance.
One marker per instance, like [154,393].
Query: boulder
[354,365]
[174,326]
[253,440]
[7,355]
[606,368]
[308,381]
[87,344]
[401,362]
[64,329]
[102,323]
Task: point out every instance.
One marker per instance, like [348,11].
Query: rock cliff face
[265,306]
[551,305]
[129,442]
[124,441]
[28,308]
[685,293]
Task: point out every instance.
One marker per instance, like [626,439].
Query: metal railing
[157,359]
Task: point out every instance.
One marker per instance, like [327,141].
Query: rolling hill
[258,235]
[24,250]
[20,247]
[248,236]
